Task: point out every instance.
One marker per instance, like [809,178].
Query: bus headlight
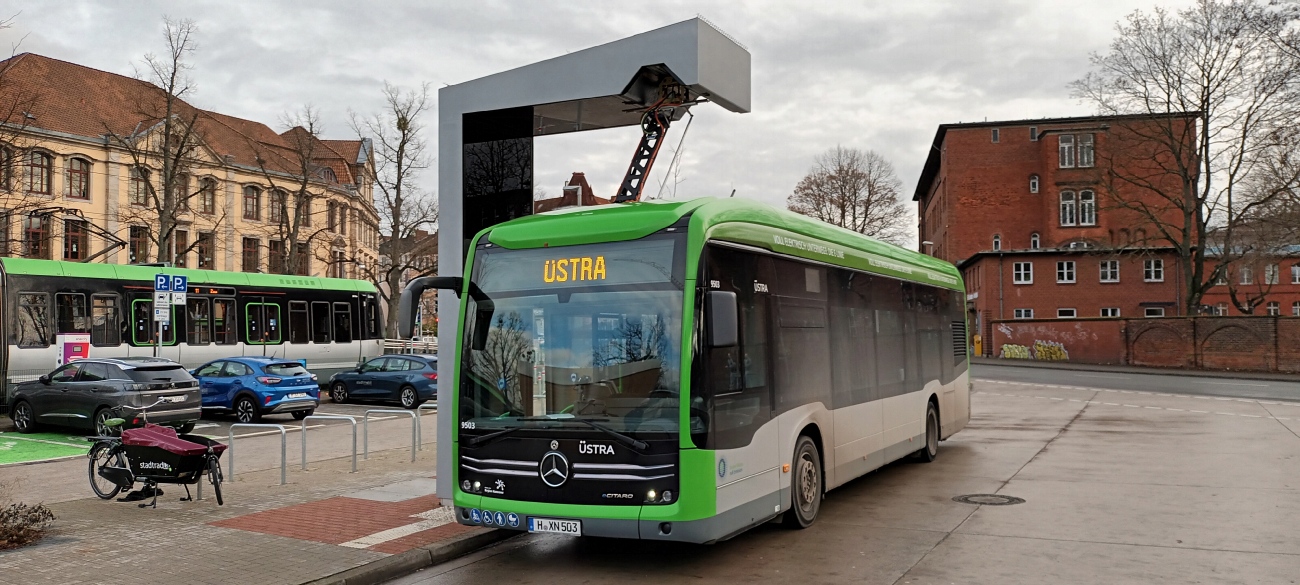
[651,496]
[464,485]
[667,496]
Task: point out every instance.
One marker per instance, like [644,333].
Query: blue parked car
[251,387]
[410,379]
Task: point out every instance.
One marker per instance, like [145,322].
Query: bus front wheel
[805,484]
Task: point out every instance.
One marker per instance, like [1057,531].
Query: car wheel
[339,392]
[409,398]
[805,485]
[301,414]
[246,410]
[101,416]
[24,417]
[186,427]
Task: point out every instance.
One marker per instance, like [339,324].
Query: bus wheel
[805,485]
[928,452]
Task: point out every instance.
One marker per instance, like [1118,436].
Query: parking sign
[179,283]
[162,282]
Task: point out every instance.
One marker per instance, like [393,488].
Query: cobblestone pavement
[323,522]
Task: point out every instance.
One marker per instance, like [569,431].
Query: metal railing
[351,419]
[230,440]
[365,430]
[426,406]
[425,345]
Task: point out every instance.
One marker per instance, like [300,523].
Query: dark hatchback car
[87,392]
[410,379]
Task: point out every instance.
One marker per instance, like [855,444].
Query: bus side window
[33,320]
[342,323]
[199,313]
[223,321]
[299,322]
[105,323]
[320,322]
[738,376]
[70,312]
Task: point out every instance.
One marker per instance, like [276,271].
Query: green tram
[689,370]
[53,312]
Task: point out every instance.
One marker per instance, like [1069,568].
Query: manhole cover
[988,499]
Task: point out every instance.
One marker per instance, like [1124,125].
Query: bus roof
[145,274]
[737,220]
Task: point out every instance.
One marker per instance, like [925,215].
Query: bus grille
[959,338]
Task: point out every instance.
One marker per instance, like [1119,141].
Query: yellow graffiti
[1052,351]
[1015,352]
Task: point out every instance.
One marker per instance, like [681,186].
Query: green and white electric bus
[688,370]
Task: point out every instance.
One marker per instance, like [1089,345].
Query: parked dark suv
[84,394]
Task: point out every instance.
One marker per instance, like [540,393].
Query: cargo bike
[152,455]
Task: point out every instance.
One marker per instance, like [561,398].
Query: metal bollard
[351,419]
[365,430]
[426,406]
[230,440]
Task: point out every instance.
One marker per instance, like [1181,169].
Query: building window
[138,190]
[6,168]
[39,166]
[1023,273]
[139,244]
[1085,150]
[1295,274]
[302,205]
[78,178]
[1033,183]
[1295,309]
[1271,273]
[278,201]
[1033,133]
[1024,313]
[1110,312]
[1065,272]
[1155,312]
[344,214]
[1221,310]
[997,243]
[1065,314]
[204,248]
[1033,241]
[1110,270]
[275,256]
[304,259]
[182,253]
[1247,275]
[252,203]
[1222,278]
[76,240]
[207,196]
[1153,270]
[329,216]
[328,174]
[1067,208]
[995,135]
[1065,150]
[1274,308]
[339,269]
[250,254]
[182,192]
[1087,208]
[36,233]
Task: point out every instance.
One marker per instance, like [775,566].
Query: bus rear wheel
[805,485]
[930,450]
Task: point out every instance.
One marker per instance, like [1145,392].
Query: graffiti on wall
[1015,352]
[1042,350]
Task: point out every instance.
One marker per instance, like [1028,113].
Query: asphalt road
[1170,383]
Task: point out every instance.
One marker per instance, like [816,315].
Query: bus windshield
[587,332]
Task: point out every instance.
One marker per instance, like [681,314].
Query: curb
[401,564]
[1075,366]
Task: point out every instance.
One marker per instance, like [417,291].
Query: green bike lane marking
[16,448]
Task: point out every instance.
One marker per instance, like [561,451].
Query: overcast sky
[870,75]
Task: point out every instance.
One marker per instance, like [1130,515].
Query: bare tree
[1218,97]
[294,178]
[164,145]
[408,214]
[856,190]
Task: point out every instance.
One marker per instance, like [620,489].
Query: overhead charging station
[487,126]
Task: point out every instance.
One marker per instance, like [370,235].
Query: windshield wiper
[629,442]
[488,438]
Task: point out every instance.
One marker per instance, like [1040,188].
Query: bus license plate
[569,527]
[298,395]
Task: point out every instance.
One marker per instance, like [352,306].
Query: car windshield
[286,369]
[589,332]
[153,374]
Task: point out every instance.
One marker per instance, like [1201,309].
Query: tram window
[223,322]
[199,314]
[299,322]
[320,322]
[262,323]
[372,318]
[105,326]
[144,330]
[70,312]
[342,323]
[33,320]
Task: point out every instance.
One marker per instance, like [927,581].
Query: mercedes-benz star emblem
[554,469]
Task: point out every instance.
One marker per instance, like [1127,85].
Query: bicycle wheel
[102,455]
[214,477]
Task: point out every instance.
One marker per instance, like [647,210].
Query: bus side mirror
[722,319]
[406,306]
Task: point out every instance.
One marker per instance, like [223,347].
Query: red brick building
[1025,210]
[1269,281]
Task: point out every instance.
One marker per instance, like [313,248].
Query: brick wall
[1263,344]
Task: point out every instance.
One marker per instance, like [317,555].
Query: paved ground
[1119,487]
[1145,379]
